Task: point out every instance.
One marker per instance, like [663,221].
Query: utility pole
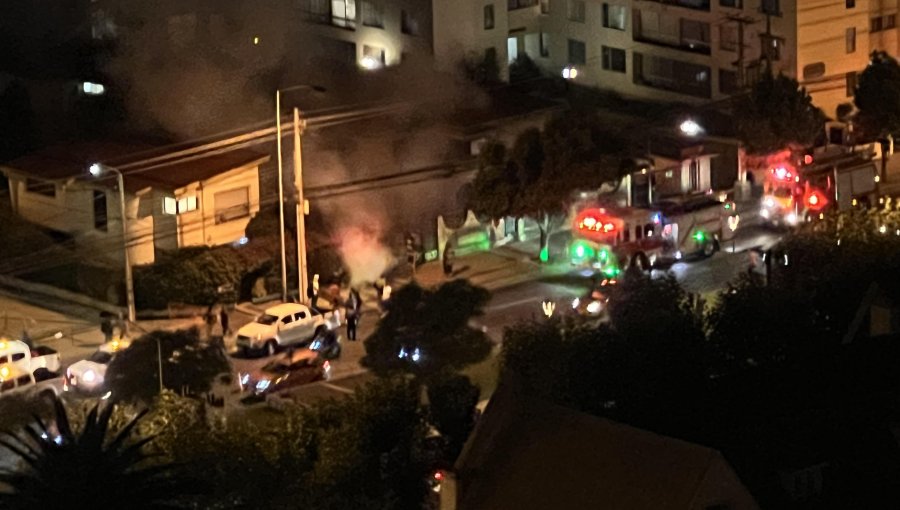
[742,21]
[301,206]
[284,292]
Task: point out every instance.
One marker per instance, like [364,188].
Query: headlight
[769,202]
[245,378]
[594,307]
[263,385]
[791,218]
[89,376]
[764,213]
[576,302]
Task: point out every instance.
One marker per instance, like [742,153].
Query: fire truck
[610,239]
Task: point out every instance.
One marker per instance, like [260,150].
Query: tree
[18,132]
[877,95]
[482,69]
[537,176]
[523,69]
[88,467]
[451,409]
[775,114]
[427,331]
[133,375]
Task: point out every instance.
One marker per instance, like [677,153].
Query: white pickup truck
[288,324]
[41,361]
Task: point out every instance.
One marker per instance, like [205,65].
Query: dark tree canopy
[877,95]
[427,332]
[777,113]
[187,363]
[451,409]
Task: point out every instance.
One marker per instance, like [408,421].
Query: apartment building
[677,50]
[370,33]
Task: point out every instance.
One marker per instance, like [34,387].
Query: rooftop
[66,161]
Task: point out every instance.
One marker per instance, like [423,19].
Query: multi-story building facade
[676,50]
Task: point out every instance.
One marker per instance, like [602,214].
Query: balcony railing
[700,5]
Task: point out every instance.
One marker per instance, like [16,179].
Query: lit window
[170,206]
[93,89]
[614,16]
[187,204]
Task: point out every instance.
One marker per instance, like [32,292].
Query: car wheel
[271,348]
[708,249]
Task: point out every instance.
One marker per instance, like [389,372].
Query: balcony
[698,5]
[513,5]
[685,34]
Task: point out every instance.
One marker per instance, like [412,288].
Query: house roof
[62,162]
[526,453]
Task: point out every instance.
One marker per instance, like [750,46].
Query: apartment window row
[734,4]
[614,16]
[880,23]
[682,33]
[340,13]
[672,75]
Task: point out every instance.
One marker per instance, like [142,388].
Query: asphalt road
[522,301]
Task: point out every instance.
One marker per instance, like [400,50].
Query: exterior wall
[71,212]
[822,27]
[199,227]
[466,33]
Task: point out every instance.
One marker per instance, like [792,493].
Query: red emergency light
[595,223]
[782,174]
[815,200]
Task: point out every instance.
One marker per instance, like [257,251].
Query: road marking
[511,304]
[335,387]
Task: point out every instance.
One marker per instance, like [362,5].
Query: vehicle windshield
[267,319]
[277,367]
[782,192]
[100,357]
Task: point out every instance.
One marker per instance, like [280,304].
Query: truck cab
[283,325]
[41,361]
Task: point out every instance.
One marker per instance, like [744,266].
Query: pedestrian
[312,292]
[106,326]
[210,319]
[378,285]
[448,262]
[354,309]
[223,320]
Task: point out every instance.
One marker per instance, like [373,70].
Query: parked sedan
[295,369]
[88,375]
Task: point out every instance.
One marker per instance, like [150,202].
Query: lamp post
[97,170]
[298,182]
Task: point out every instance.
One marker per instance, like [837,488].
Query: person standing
[210,319]
[223,320]
[106,326]
[354,309]
[448,262]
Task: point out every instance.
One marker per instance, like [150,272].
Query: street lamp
[97,170]
[298,181]
[690,127]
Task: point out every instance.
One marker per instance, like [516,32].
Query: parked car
[291,370]
[594,303]
[288,324]
[42,361]
[89,375]
[13,379]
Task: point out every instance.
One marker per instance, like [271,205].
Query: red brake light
[438,476]
[326,364]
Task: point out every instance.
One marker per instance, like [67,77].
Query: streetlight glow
[569,73]
[370,63]
[95,170]
[690,128]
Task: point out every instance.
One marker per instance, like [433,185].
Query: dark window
[695,175]
[299,316]
[875,24]
[771,7]
[850,3]
[771,47]
[23,380]
[489,16]
[7,385]
[614,16]
[48,189]
[614,59]
[520,4]
[18,356]
[490,54]
[850,37]
[100,219]
[577,52]
[851,84]
[737,4]
[408,24]
[545,45]
[728,37]
[674,75]
[576,10]
[728,81]
[695,34]
[372,14]
[287,319]
[813,71]
[4,359]
[890,21]
[545,6]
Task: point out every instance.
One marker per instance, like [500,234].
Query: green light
[727,206]
[699,236]
[611,271]
[545,254]
[579,251]
[604,255]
